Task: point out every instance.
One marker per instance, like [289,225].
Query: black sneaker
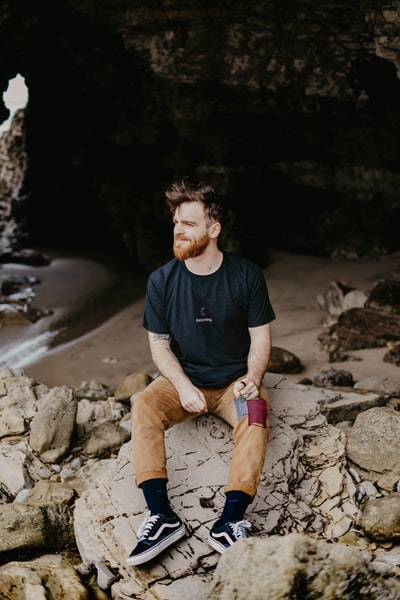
[223,537]
[155,534]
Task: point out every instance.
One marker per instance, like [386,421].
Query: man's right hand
[192,399]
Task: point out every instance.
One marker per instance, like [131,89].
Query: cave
[291,109]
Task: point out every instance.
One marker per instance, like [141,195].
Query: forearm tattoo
[161,336]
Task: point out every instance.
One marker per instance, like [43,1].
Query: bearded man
[208,318]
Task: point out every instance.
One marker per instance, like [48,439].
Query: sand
[103,311]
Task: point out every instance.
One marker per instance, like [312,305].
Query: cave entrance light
[15,97]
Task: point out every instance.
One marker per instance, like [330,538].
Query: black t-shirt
[208,316]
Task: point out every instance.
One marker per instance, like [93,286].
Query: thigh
[163,399]
[223,404]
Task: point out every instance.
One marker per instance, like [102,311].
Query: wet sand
[104,307]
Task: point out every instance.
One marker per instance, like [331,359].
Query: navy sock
[156,496]
[236,504]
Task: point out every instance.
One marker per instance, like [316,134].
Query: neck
[206,263]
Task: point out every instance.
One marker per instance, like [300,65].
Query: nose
[178,229]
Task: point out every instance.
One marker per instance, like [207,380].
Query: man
[208,315]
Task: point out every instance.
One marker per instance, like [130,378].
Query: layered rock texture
[325,519]
[291,109]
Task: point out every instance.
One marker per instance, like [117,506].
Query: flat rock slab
[110,511]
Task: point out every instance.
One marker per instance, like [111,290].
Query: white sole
[218,547]
[132,561]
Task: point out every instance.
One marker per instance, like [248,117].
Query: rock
[381,518]
[53,425]
[304,488]
[283,361]
[92,390]
[309,486]
[50,576]
[373,446]
[51,492]
[92,412]
[359,328]
[296,566]
[16,296]
[357,320]
[346,407]
[385,296]
[25,256]
[392,356]
[380,385]
[34,526]
[20,468]
[334,378]
[132,384]
[20,396]
[104,440]
[340,297]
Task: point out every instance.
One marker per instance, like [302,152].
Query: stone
[392,356]
[49,576]
[385,295]
[45,527]
[53,425]
[380,385]
[103,440]
[283,361]
[373,445]
[359,328]
[92,504]
[334,378]
[131,384]
[281,568]
[20,468]
[381,517]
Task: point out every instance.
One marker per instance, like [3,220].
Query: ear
[215,229]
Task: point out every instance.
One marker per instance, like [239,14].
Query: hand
[245,388]
[193,400]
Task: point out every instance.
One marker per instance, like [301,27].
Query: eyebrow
[185,221]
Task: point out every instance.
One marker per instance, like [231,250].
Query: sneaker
[155,534]
[223,537]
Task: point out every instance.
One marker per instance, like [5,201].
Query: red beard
[195,248]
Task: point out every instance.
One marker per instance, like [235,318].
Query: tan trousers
[158,408]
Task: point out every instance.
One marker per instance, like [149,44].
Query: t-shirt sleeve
[154,319]
[260,309]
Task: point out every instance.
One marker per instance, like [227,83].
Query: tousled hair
[187,191]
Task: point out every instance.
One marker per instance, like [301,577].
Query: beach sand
[107,308]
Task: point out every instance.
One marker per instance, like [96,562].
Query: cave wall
[290,108]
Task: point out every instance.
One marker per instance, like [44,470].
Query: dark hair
[186,191]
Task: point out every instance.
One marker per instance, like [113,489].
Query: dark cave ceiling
[291,109]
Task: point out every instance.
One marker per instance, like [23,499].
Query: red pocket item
[258,412]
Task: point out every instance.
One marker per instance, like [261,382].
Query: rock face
[13,166]
[365,319]
[364,446]
[298,568]
[271,102]
[321,528]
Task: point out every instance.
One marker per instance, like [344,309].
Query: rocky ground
[72,487]
[331,472]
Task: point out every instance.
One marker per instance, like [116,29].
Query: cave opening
[16,96]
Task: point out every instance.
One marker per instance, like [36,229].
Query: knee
[258,412]
[140,408]
[255,410]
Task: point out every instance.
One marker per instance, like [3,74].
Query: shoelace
[147,526]
[239,529]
